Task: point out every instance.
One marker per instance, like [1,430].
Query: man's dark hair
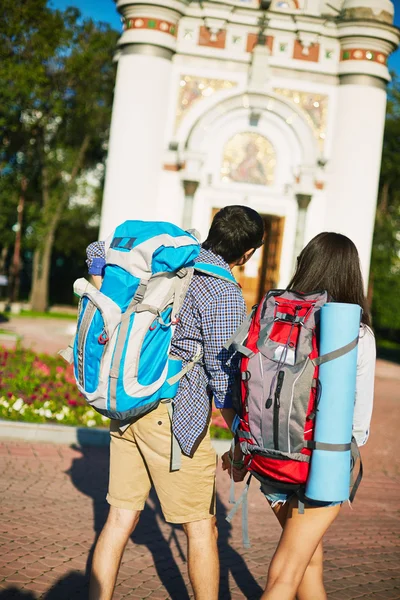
[234,231]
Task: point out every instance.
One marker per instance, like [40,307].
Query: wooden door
[269,277]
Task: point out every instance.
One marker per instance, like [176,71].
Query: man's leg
[187,496]
[129,487]
[109,549]
[203,558]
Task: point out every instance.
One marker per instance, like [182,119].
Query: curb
[69,435]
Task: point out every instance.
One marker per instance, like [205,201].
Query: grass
[45,315]
[388,350]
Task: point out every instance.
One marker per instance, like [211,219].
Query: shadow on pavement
[13,592]
[89,474]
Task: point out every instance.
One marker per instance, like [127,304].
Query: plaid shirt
[211,312]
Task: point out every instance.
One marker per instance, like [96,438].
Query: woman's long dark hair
[330,262]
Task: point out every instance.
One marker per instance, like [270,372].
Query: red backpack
[278,392]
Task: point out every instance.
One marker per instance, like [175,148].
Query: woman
[329,262]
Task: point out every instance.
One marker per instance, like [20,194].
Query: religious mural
[248,158]
[315,109]
[192,89]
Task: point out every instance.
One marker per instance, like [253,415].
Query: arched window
[248,158]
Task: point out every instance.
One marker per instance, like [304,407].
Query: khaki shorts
[140,457]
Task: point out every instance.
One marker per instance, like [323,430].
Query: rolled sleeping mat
[329,476]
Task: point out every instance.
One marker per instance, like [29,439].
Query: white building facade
[275,105]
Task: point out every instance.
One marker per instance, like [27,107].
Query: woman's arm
[364,386]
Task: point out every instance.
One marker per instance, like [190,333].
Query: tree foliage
[385,262]
[59,78]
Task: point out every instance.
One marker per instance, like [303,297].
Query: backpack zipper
[277,406]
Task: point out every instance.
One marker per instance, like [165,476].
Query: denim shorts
[276,496]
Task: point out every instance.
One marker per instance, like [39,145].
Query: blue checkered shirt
[211,312]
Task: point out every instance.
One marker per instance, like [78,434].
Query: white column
[136,147]
[355,164]
[142,89]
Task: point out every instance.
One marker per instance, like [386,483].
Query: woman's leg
[312,585]
[300,538]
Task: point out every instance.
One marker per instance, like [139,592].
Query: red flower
[10,394]
[72,403]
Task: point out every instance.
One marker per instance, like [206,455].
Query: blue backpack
[121,350]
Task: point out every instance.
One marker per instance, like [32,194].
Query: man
[140,456]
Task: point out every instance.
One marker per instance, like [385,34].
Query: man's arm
[96,261]
[219,321]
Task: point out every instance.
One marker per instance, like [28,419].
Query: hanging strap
[320,360]
[355,454]
[242,501]
[68,353]
[176,452]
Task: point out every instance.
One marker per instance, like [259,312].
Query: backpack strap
[320,360]
[236,342]
[215,271]
[242,501]
[355,454]
[313,445]
[81,286]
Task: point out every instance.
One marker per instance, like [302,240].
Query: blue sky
[105,10]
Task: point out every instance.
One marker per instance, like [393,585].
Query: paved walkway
[52,509]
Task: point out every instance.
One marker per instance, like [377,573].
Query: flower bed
[38,388]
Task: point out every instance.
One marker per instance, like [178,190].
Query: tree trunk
[370,295]
[42,255]
[15,270]
[384,198]
[41,274]
[3,258]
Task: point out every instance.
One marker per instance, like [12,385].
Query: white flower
[91,423]
[46,404]
[66,410]
[5,403]
[90,413]
[18,404]
[59,416]
[40,411]
[48,414]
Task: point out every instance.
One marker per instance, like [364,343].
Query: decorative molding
[309,52]
[148,50]
[363,79]
[363,54]
[173,167]
[252,42]
[152,24]
[212,39]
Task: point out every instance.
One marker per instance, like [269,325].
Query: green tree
[57,112]
[385,261]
